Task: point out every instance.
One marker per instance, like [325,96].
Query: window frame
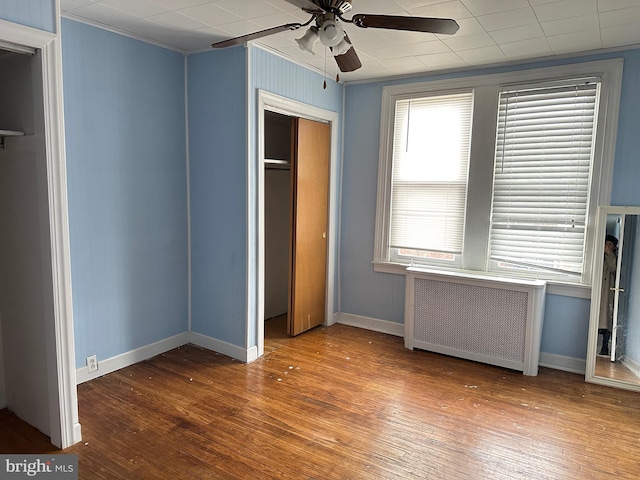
[486,90]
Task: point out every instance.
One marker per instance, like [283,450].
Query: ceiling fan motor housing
[334,6]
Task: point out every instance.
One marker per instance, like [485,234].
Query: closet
[297,165]
[277,183]
[27,337]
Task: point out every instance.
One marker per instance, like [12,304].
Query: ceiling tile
[575,42]
[516,34]
[480,56]
[385,7]
[534,47]
[66,5]
[441,60]
[541,2]
[607,5]
[176,21]
[247,9]
[621,35]
[178,4]
[425,48]
[138,8]
[398,37]
[469,42]
[452,9]
[485,7]
[244,27]
[404,64]
[409,5]
[565,9]
[99,13]
[615,18]
[210,14]
[570,25]
[508,19]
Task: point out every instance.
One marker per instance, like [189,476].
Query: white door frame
[275,103]
[63,400]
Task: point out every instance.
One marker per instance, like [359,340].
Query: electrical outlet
[92,363]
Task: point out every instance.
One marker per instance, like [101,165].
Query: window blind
[543,159]
[429,179]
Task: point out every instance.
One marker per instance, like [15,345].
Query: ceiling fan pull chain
[324,83]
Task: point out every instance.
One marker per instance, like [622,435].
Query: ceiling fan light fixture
[331,33]
[308,40]
[341,48]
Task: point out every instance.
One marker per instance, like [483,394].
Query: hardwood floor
[345,403]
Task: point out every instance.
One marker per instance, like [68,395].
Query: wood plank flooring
[345,403]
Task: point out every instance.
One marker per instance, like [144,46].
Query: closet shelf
[8,133]
[277,164]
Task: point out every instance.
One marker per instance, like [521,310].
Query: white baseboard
[143,353]
[233,351]
[129,358]
[560,362]
[382,326]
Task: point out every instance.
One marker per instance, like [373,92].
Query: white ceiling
[491,31]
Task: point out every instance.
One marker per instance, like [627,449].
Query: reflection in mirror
[614,336]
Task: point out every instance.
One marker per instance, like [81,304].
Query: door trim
[63,402]
[292,108]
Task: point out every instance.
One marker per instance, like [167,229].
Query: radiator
[491,320]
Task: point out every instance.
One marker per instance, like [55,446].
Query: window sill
[553,287]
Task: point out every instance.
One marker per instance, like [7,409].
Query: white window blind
[429,180]
[543,160]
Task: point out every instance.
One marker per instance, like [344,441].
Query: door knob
[324,234]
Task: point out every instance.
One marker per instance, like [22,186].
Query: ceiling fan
[328,15]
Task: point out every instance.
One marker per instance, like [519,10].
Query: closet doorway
[37,379]
[297,160]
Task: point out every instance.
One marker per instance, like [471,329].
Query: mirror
[613,355]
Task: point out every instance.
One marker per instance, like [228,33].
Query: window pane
[430,164]
[544,152]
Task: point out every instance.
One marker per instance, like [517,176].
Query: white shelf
[8,133]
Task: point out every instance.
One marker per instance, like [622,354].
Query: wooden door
[309,207]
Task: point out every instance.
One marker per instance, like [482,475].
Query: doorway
[296,201]
[49,358]
[287,115]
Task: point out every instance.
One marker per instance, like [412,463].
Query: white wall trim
[368,323]
[131,357]
[560,362]
[246,355]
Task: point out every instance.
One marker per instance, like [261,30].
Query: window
[431,143]
[498,173]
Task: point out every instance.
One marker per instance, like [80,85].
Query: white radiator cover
[486,319]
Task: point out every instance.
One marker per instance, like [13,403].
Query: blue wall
[218,176]
[125,140]
[38,14]
[223,255]
[377,295]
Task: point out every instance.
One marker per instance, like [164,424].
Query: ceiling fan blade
[307,5]
[349,61]
[252,36]
[415,24]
